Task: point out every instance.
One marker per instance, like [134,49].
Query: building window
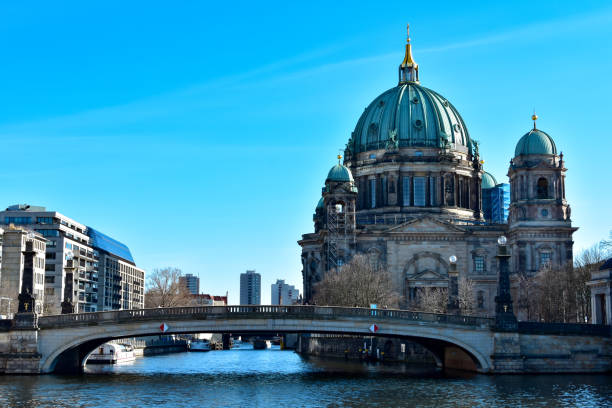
[542,188]
[383,181]
[48,232]
[49,291]
[545,259]
[406,191]
[373,193]
[479,264]
[432,191]
[18,220]
[44,220]
[49,279]
[480,299]
[419,191]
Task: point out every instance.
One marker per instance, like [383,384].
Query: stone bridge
[61,343]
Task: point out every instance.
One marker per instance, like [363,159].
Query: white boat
[111,353]
[199,345]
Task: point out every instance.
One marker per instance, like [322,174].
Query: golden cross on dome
[408,32]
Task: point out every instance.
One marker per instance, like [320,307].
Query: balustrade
[260,311]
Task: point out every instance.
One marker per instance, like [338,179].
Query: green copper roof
[339,173]
[321,203]
[535,142]
[413,115]
[488,181]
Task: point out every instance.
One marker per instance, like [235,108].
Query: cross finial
[408,32]
[339,158]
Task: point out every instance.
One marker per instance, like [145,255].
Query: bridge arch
[66,340]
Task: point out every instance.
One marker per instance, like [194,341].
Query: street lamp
[453,286]
[505,320]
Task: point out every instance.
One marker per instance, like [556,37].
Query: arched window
[542,188]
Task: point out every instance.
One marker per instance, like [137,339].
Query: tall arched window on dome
[542,188]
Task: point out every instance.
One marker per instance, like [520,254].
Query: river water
[275,378]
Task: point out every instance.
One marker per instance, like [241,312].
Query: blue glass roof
[112,246]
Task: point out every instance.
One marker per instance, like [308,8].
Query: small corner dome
[339,173]
[488,181]
[535,142]
[321,203]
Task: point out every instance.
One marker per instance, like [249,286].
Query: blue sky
[200,134]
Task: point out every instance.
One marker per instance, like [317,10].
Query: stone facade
[601,294]
[409,195]
[17,243]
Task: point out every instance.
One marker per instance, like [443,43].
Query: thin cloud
[177,101]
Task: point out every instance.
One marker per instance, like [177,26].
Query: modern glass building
[495,200]
[92,270]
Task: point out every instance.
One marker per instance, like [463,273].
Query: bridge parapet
[260,311]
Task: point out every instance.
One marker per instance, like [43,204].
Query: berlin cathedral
[411,193]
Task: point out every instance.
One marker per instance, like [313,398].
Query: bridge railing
[261,311]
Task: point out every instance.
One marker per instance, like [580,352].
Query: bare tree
[357,283]
[466,296]
[606,246]
[164,289]
[561,294]
[432,300]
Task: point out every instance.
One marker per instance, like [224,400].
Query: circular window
[445,103]
[544,212]
[418,124]
[456,128]
[415,100]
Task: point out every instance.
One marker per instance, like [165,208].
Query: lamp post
[453,286]
[505,320]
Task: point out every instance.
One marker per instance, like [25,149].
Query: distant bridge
[60,343]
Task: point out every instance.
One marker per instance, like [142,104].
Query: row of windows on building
[542,188]
[415,191]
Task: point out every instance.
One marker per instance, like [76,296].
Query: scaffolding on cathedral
[338,234]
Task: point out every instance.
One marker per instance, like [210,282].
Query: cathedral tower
[539,216]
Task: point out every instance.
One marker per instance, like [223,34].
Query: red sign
[373,328]
[164,327]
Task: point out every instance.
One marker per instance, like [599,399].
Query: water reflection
[282,378]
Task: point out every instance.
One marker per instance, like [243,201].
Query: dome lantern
[408,69]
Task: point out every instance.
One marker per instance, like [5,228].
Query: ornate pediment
[427,275]
[426,225]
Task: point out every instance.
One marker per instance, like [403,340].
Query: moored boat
[111,353]
[199,345]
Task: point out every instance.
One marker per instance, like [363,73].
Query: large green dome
[416,116]
[339,173]
[488,181]
[535,142]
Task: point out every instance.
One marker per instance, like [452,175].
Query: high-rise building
[82,265]
[121,281]
[23,254]
[250,288]
[284,294]
[191,282]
